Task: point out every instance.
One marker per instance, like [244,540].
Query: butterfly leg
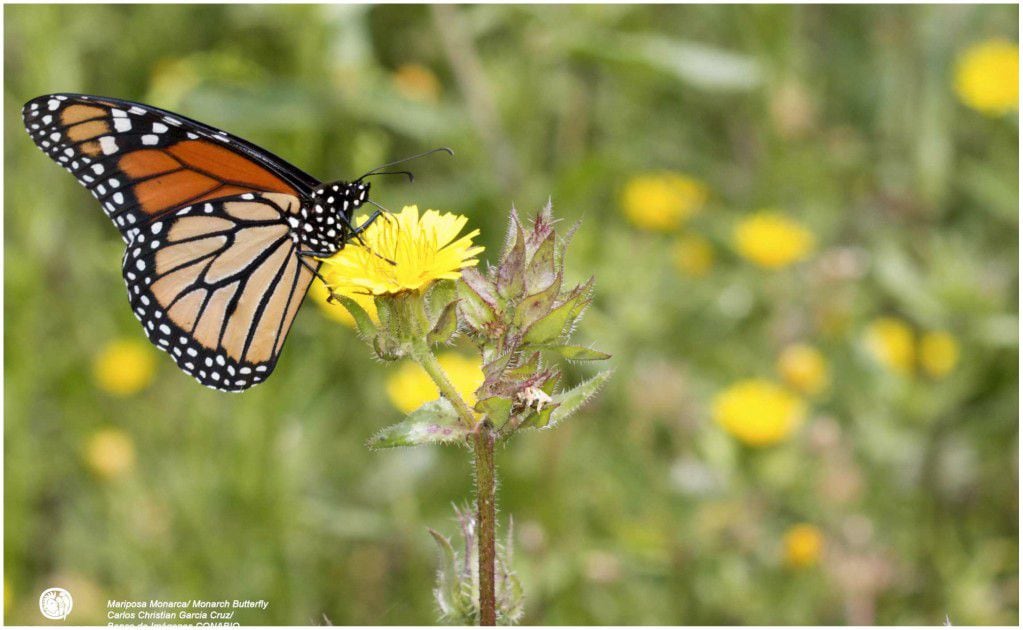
[315,271]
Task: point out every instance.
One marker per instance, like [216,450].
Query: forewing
[141,162]
[217,284]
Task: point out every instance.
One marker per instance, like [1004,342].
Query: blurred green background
[879,137]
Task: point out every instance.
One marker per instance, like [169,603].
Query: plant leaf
[441,294]
[446,591]
[497,408]
[477,302]
[571,400]
[446,325]
[436,422]
[577,353]
[511,270]
[553,325]
[367,329]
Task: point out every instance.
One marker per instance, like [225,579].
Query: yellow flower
[419,250]
[693,255]
[804,368]
[987,77]
[891,342]
[319,293]
[939,353]
[124,367]
[417,82]
[758,412]
[772,240]
[110,453]
[662,201]
[803,545]
[409,388]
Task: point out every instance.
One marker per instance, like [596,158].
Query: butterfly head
[326,224]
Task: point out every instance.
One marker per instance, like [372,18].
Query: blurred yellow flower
[804,368]
[319,293]
[758,412]
[772,240]
[939,353]
[423,249]
[987,77]
[124,367]
[662,201]
[416,82]
[410,387]
[803,545]
[110,453]
[891,342]
[693,255]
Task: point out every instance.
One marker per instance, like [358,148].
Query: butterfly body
[221,236]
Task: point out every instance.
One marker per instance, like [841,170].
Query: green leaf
[554,324]
[497,409]
[364,324]
[511,270]
[571,400]
[577,353]
[442,293]
[535,306]
[446,592]
[445,327]
[478,303]
[436,422]
[540,272]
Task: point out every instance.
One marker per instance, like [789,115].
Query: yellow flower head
[758,412]
[803,545]
[891,342]
[693,255]
[804,368]
[110,453]
[662,201]
[939,353]
[417,82]
[337,312]
[409,388]
[422,250]
[772,240]
[987,77]
[124,367]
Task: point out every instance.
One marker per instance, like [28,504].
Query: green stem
[424,357]
[486,516]
[483,451]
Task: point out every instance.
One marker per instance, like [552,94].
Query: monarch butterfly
[221,236]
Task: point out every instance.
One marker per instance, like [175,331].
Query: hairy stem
[428,361]
[483,451]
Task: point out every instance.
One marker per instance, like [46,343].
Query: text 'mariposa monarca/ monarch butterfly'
[222,236]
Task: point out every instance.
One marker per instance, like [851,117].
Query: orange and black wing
[141,162]
[216,284]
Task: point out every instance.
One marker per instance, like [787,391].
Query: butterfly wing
[216,284]
[141,162]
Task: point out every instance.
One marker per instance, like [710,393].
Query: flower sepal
[363,322]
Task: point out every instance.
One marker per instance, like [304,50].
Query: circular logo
[55,603]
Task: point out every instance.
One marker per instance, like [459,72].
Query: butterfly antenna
[411,177]
[408,159]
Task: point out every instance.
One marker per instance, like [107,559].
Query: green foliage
[641,510]
[436,422]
